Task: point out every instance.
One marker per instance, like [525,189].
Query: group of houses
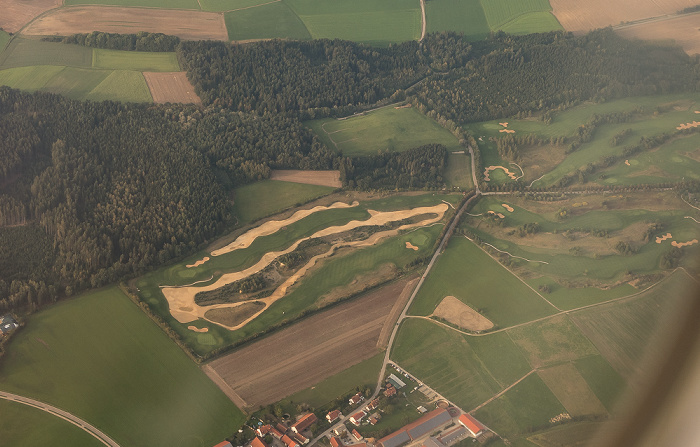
[296,435]
[431,422]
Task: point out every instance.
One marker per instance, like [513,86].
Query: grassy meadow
[386,129]
[458,173]
[465,16]
[4,39]
[22,52]
[165,4]
[134,60]
[229,5]
[267,21]
[99,357]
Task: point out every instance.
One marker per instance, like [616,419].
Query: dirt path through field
[181,299]
[273,226]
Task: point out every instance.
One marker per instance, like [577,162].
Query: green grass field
[604,381]
[25,426]
[466,272]
[532,22]
[366,21]
[165,4]
[570,434]
[4,39]
[23,52]
[121,85]
[527,405]
[465,16]
[458,173]
[386,129]
[267,197]
[501,12]
[134,60]
[268,21]
[99,357]
[229,5]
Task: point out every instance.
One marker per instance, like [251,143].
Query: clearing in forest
[190,25]
[320,178]
[135,60]
[171,87]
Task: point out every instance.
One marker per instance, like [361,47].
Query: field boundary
[66,416]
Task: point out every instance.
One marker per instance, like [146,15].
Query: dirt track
[320,178]
[189,25]
[307,352]
[17,13]
[171,87]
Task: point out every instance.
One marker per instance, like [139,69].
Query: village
[434,423]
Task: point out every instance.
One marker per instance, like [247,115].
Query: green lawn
[229,5]
[501,356]
[29,78]
[23,52]
[528,405]
[267,197]
[270,21]
[501,12]
[466,272]
[367,21]
[532,22]
[165,4]
[25,426]
[121,85]
[465,16]
[386,129]
[134,60]
[99,357]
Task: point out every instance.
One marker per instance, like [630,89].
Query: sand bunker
[411,246]
[688,125]
[198,263]
[403,107]
[506,131]
[627,162]
[196,329]
[500,216]
[660,239]
[272,226]
[504,124]
[507,207]
[181,299]
[459,314]
[684,244]
[493,168]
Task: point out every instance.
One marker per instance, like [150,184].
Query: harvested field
[308,352]
[189,25]
[320,178]
[458,313]
[171,87]
[578,16]
[17,13]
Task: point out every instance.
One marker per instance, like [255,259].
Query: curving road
[106,440]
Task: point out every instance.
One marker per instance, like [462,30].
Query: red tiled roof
[356,434]
[287,440]
[301,438]
[356,398]
[281,428]
[333,415]
[262,431]
[274,432]
[336,442]
[305,422]
[472,424]
[257,442]
[223,444]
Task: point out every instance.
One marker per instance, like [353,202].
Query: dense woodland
[93,192]
[141,41]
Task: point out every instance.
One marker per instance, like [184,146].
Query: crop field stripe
[164,4]
[22,52]
[500,12]
[466,16]
[267,21]
[134,60]
[122,85]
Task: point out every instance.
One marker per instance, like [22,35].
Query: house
[304,422]
[333,415]
[357,417]
[390,391]
[336,442]
[471,424]
[7,324]
[373,420]
[301,439]
[223,444]
[398,383]
[340,430]
[263,430]
[281,428]
[289,442]
[257,442]
[427,423]
[372,405]
[276,433]
[356,434]
[356,399]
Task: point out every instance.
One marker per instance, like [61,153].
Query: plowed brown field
[308,352]
[17,13]
[171,87]
[190,25]
[684,30]
[581,16]
[322,178]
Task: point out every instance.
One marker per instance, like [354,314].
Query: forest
[91,192]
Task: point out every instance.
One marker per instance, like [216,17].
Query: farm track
[83,425]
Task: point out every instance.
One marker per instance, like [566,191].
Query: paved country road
[106,440]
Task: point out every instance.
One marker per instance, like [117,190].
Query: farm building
[395,439]
[301,439]
[357,417]
[336,442]
[281,428]
[289,442]
[356,399]
[257,442]
[304,422]
[7,324]
[356,434]
[333,415]
[453,435]
[428,423]
[398,383]
[390,390]
[223,444]
[433,442]
[471,424]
